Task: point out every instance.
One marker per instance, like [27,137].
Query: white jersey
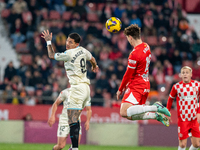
[63,119]
[75,64]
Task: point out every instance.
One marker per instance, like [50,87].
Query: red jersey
[137,72]
[187,95]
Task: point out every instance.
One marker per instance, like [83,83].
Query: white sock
[179,148]
[140,109]
[74,148]
[144,116]
[193,148]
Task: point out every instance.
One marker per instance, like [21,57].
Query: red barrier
[42,112]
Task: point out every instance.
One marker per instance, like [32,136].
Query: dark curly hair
[134,31]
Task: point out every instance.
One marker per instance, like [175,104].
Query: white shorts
[79,95]
[63,126]
[63,130]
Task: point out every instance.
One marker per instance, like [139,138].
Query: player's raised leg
[128,110]
[162,109]
[151,115]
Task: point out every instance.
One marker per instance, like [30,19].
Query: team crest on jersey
[194,89]
[132,61]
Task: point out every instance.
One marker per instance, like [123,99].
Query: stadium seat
[92,17]
[66,15]
[21,48]
[54,15]
[26,59]
[5,13]
[152,40]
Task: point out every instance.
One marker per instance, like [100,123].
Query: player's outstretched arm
[52,119]
[95,67]
[48,37]
[89,114]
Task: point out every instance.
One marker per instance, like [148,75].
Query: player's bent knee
[182,145]
[61,146]
[123,113]
[196,145]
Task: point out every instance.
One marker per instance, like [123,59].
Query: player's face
[186,75]
[70,43]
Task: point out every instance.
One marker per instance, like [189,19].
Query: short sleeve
[132,61]
[173,92]
[88,55]
[61,56]
[88,103]
[63,95]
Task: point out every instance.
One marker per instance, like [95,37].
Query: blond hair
[186,67]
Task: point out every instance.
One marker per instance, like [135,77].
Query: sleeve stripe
[55,56]
[171,96]
[131,67]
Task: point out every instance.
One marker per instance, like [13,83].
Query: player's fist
[95,69]
[118,94]
[87,125]
[51,121]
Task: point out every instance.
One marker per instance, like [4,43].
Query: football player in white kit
[74,58]
[63,126]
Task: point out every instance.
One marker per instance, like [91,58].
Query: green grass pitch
[8,146]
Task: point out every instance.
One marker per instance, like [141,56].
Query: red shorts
[135,97]
[185,127]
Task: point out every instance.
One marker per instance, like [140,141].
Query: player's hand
[118,94]
[51,121]
[95,69]
[198,118]
[87,125]
[46,35]
[169,118]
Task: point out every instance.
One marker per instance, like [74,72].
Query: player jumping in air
[63,126]
[136,84]
[74,58]
[186,93]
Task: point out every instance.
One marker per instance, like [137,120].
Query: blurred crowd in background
[38,80]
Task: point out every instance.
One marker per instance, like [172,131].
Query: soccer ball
[113,24]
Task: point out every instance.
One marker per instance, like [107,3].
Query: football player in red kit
[186,93]
[136,84]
